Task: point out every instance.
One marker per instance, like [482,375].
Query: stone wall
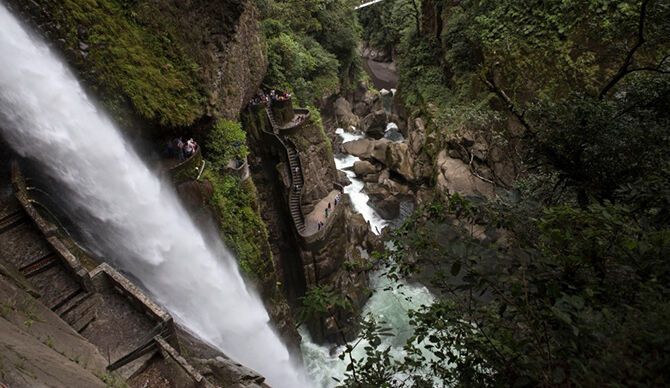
[105,279]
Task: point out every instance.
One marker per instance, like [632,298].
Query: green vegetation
[562,281]
[241,226]
[112,380]
[311,46]
[128,61]
[226,141]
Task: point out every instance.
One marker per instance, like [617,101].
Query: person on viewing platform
[180,148]
[190,148]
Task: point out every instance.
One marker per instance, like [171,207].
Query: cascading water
[390,303]
[46,116]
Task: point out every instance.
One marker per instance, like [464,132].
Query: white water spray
[46,116]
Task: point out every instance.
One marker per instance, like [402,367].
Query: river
[390,302]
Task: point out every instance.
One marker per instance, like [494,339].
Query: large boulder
[417,138]
[454,176]
[344,117]
[362,148]
[367,149]
[374,124]
[384,203]
[400,160]
[363,168]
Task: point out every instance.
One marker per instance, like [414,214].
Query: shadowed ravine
[132,218]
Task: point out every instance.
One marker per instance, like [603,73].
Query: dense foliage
[311,46]
[226,141]
[564,280]
[242,227]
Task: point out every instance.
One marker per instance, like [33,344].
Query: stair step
[39,265]
[13,219]
[82,311]
[80,324]
[71,303]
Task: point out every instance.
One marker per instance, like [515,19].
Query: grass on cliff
[226,141]
[241,225]
[130,61]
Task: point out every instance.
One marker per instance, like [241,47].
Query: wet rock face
[376,54]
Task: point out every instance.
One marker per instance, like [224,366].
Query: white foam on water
[359,199]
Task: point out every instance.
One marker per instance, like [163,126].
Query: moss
[242,228]
[225,142]
[131,60]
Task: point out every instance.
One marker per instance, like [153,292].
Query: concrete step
[23,244]
[39,265]
[56,284]
[12,220]
[82,310]
[71,303]
[82,321]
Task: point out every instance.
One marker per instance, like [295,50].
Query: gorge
[299,193]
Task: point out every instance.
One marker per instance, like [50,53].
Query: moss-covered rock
[158,63]
[242,228]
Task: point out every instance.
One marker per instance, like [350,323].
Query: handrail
[56,219]
[274,133]
[176,170]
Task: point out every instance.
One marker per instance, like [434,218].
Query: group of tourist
[259,99]
[181,150]
[274,95]
[328,210]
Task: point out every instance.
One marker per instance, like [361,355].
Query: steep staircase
[297,179]
[23,246]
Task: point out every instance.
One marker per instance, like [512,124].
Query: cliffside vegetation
[562,279]
[226,141]
[242,228]
[311,46]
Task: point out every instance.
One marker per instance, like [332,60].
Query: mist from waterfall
[137,222]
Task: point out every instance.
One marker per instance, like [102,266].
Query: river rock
[386,205]
[361,109]
[342,178]
[362,148]
[343,114]
[367,149]
[371,178]
[399,159]
[387,208]
[363,168]
[374,124]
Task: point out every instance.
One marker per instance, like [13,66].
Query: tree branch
[624,69]
[503,96]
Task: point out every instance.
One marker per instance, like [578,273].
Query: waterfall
[46,116]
